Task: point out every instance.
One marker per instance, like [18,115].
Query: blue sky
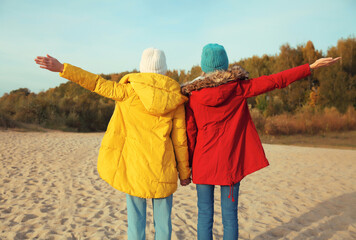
[109,36]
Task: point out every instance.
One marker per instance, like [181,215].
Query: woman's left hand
[185,182]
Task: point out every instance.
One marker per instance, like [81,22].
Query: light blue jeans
[228,209]
[136,217]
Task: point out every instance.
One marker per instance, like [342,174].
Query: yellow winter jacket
[145,142]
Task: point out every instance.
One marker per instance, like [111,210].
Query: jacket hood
[158,93]
[213,97]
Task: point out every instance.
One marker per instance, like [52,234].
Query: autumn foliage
[325,101]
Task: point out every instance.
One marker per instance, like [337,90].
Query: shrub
[284,124]
[258,119]
[310,121]
[274,107]
[351,118]
[6,121]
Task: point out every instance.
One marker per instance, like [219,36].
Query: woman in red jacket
[223,142]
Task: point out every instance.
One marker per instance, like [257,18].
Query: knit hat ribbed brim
[153,61]
[214,58]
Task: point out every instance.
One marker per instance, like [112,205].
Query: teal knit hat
[214,58]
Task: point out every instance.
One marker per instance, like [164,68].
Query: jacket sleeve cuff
[65,70]
[186,175]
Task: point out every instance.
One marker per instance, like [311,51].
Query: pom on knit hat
[153,61]
[214,58]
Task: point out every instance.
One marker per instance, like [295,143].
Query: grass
[25,127]
[306,121]
[341,140]
[309,127]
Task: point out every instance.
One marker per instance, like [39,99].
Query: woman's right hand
[49,63]
[323,62]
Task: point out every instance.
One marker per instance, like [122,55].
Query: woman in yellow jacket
[145,142]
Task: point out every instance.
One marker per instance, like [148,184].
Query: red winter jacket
[223,142]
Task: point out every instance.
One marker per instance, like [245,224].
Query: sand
[50,189]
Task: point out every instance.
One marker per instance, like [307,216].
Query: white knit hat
[153,61]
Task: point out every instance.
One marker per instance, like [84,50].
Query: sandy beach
[50,189]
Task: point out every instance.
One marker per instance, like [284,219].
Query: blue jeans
[136,217]
[228,209]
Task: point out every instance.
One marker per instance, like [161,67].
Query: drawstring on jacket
[231,192]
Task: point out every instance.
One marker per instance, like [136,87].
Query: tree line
[72,108]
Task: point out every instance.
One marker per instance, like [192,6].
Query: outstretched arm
[90,81]
[260,85]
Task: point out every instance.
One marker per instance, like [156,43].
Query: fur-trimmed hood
[215,79]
